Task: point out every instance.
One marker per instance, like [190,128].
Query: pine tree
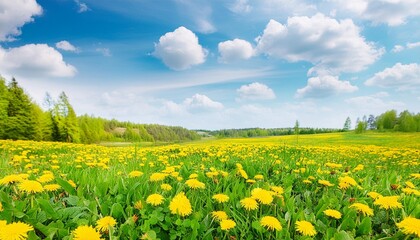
[347,124]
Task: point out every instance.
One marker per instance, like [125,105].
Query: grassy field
[329,186]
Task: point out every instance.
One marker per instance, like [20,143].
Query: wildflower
[249,204]
[30,186]
[307,181]
[105,223]
[410,225]
[258,177]
[155,199]
[193,175]
[250,181]
[305,228]
[1,207]
[243,173]
[410,184]
[14,231]
[388,202]
[72,183]
[52,187]
[263,196]
[221,198]
[138,205]
[219,215]
[48,177]
[271,223]
[374,195]
[346,182]
[166,187]
[415,175]
[180,205]
[9,179]
[325,183]
[411,191]
[332,213]
[277,190]
[227,224]
[363,208]
[85,232]
[195,184]
[133,174]
[156,177]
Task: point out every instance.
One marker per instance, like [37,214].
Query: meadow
[329,186]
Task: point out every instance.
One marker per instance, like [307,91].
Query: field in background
[254,188]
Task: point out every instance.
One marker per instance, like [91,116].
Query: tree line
[263,132]
[23,119]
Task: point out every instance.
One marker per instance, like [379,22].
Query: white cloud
[82,6]
[374,104]
[240,6]
[401,76]
[34,60]
[14,14]
[235,50]
[199,11]
[255,91]
[390,12]
[180,50]
[324,86]
[413,45]
[199,101]
[397,48]
[66,46]
[331,45]
[104,51]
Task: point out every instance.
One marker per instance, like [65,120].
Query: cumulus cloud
[324,86]
[82,7]
[409,45]
[234,50]
[256,91]
[14,14]
[180,50]
[390,12]
[400,76]
[397,48]
[66,46]
[199,101]
[332,45]
[34,60]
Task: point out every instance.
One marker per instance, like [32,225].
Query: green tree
[20,123]
[387,120]
[347,124]
[406,122]
[4,102]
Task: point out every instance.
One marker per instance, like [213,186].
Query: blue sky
[217,64]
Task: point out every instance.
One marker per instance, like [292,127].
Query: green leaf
[365,226]
[342,235]
[47,208]
[66,186]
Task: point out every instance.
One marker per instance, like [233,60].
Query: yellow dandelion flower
[346,182]
[306,181]
[249,204]
[258,177]
[9,179]
[362,208]
[72,183]
[155,199]
[52,187]
[166,187]
[133,174]
[388,202]
[105,223]
[193,175]
[250,181]
[227,224]
[332,213]
[219,215]
[415,175]
[410,184]
[410,225]
[271,223]
[138,205]
[325,183]
[48,177]
[243,173]
[14,231]
[195,184]
[263,196]
[277,190]
[86,232]
[30,186]
[1,207]
[374,195]
[411,191]
[180,205]
[221,198]
[156,177]
[305,228]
